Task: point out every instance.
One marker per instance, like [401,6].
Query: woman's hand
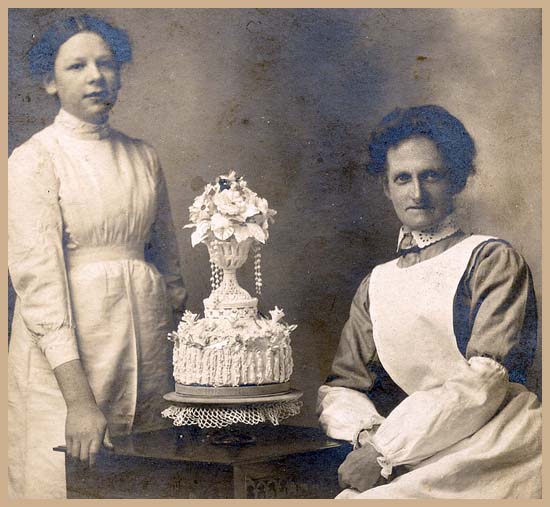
[85,426]
[85,431]
[360,470]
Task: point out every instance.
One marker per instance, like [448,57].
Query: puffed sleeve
[35,253]
[162,248]
[502,315]
[501,309]
[343,405]
[427,422]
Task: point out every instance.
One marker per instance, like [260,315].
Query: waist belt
[88,254]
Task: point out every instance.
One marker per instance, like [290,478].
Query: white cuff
[368,426]
[387,467]
[383,461]
[343,411]
[59,346]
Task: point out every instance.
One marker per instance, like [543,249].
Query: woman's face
[86,77]
[417,183]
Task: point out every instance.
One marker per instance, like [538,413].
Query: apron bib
[412,316]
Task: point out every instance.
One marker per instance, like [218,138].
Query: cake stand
[224,408]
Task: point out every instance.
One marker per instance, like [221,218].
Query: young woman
[87,214]
[438,340]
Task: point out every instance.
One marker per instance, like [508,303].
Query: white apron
[108,191]
[412,315]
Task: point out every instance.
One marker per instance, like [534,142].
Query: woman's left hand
[360,470]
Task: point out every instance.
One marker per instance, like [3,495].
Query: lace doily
[220,417]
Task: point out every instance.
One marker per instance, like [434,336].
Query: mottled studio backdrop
[286,97]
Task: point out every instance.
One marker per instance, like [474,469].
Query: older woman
[88,210]
[427,379]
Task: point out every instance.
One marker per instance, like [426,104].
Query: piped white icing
[233,351]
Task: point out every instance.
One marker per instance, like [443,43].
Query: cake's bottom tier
[231,367]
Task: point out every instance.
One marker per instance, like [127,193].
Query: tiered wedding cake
[232,346]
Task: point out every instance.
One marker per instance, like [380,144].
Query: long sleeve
[343,405]
[497,314]
[429,421]
[162,248]
[35,253]
[356,348]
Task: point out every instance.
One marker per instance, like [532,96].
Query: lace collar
[426,237]
[79,128]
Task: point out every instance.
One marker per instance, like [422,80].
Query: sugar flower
[277,314]
[221,226]
[189,317]
[228,209]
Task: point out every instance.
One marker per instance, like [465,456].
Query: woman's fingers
[85,447]
[69,445]
[107,440]
[343,474]
[84,450]
[360,470]
[74,449]
[85,429]
[95,445]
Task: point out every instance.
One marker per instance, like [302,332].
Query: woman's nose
[417,190]
[94,74]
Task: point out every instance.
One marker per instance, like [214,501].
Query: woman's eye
[76,66]
[402,178]
[433,176]
[108,64]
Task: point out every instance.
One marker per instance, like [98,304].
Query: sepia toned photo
[274,253]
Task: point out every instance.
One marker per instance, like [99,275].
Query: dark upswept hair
[455,145]
[42,55]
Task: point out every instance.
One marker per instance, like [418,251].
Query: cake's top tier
[240,309]
[228,209]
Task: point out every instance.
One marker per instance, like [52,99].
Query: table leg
[239,482]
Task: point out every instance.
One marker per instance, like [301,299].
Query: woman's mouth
[100,95]
[419,207]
